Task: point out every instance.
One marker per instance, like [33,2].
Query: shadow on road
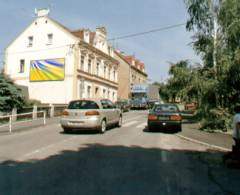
[87,131]
[101,169]
[165,131]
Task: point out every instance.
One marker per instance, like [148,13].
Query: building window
[97,69]
[22,66]
[104,93]
[114,75]
[109,73]
[50,39]
[30,41]
[113,96]
[96,91]
[82,62]
[89,65]
[89,91]
[104,72]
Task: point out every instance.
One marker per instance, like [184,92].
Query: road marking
[204,143]
[47,147]
[129,123]
[142,125]
[130,119]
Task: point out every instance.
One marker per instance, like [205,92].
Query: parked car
[165,116]
[90,114]
[123,105]
[138,104]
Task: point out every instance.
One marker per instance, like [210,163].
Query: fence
[10,120]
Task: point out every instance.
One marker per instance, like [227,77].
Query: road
[126,160]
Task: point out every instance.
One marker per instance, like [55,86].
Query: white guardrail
[13,119]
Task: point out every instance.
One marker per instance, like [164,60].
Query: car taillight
[152,117]
[65,113]
[175,118]
[91,113]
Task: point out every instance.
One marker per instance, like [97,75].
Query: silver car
[90,114]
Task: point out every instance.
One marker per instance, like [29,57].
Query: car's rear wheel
[103,126]
[179,128]
[67,130]
[119,124]
[150,128]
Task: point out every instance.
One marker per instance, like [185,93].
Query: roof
[128,60]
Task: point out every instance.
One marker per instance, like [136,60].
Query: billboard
[47,70]
[139,88]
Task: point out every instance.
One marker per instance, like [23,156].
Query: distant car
[90,114]
[138,104]
[123,105]
[151,103]
[165,117]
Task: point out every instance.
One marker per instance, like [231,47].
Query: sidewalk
[23,126]
[217,139]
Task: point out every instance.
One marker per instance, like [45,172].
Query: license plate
[163,118]
[75,123]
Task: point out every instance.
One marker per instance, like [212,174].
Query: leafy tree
[10,96]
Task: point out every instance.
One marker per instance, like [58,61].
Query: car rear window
[165,108]
[83,105]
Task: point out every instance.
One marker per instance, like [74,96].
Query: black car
[139,104]
[123,105]
[165,117]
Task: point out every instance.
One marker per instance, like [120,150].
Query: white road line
[47,147]
[142,125]
[130,119]
[204,143]
[129,123]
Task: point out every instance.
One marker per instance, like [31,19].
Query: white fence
[10,120]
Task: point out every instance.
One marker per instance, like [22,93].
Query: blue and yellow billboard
[47,70]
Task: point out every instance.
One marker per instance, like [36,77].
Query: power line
[32,51]
[147,32]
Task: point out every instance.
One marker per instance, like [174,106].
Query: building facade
[131,72]
[58,65]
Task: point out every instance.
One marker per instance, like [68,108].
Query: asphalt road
[126,160]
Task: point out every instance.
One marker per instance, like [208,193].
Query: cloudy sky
[120,17]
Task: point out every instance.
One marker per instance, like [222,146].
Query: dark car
[139,104]
[165,117]
[123,105]
[151,103]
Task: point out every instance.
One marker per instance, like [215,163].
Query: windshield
[165,108]
[83,105]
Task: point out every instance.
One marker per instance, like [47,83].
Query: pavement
[126,160]
[217,140]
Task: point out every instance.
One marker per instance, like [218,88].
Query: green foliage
[217,118]
[10,96]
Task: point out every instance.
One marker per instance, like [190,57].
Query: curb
[205,144]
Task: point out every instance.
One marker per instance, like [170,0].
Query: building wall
[61,47]
[124,78]
[97,76]
[137,77]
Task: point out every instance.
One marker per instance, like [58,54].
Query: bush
[217,119]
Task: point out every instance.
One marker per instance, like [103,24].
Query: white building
[58,65]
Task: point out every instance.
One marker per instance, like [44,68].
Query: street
[126,160]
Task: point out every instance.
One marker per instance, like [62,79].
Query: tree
[10,96]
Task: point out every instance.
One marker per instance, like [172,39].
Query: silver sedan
[90,114]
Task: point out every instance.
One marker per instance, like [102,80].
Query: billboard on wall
[47,70]
[139,88]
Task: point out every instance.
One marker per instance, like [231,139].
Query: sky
[120,17]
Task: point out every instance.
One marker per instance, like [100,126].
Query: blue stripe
[54,63]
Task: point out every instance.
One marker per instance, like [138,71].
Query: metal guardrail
[12,119]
